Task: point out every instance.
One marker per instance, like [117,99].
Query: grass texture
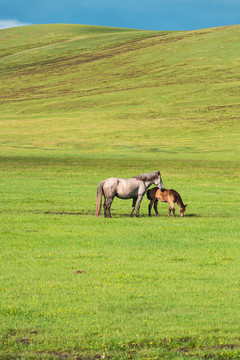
[80,104]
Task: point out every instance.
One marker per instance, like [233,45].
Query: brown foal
[167,195]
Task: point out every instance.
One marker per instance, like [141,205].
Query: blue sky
[138,14]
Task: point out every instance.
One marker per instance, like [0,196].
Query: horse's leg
[108,205]
[155,206]
[105,206]
[105,209]
[150,207]
[133,205]
[138,204]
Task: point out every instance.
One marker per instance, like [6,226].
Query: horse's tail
[148,195]
[99,198]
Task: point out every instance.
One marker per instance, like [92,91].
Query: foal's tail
[99,198]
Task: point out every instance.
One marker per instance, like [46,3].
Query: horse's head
[182,210]
[158,181]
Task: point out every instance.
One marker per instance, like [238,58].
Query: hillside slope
[88,88]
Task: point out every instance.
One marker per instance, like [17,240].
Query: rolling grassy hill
[79,87]
[79,104]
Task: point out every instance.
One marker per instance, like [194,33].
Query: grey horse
[133,188]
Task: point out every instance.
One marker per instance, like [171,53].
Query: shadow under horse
[133,188]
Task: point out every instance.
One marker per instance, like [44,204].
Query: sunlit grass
[74,284]
[78,105]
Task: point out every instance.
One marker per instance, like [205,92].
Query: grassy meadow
[79,104]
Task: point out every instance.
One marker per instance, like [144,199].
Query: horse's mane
[147,177]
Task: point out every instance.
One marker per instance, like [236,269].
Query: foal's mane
[179,199]
[147,177]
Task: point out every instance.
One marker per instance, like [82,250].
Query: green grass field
[80,104]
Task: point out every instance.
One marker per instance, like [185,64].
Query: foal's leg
[155,207]
[171,208]
[133,205]
[150,207]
